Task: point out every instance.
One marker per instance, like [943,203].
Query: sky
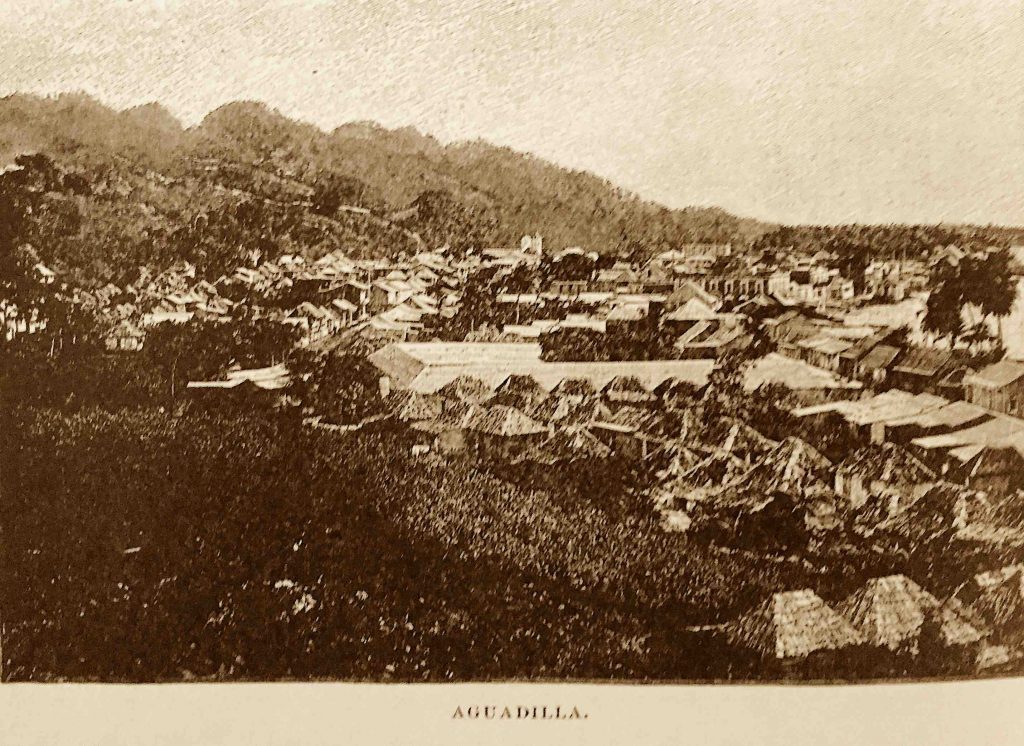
[814,111]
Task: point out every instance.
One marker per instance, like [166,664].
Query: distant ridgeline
[112,191]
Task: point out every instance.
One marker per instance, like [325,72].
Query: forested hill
[120,189]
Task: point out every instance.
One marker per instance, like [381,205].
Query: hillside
[148,191]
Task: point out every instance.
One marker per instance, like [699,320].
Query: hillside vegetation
[146,190]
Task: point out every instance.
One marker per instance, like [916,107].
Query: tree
[342,387]
[202,349]
[569,267]
[332,190]
[980,279]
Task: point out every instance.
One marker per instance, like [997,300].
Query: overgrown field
[143,547]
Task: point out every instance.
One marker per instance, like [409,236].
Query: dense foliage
[144,547]
[136,188]
[983,281]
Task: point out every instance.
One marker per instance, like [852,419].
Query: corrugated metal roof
[997,375]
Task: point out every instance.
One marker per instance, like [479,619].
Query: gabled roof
[826,344]
[879,356]
[889,463]
[466,388]
[793,624]
[889,612]
[997,375]
[421,407]
[1000,601]
[695,309]
[688,290]
[504,421]
[522,385]
[574,387]
[627,388]
[923,361]
[569,444]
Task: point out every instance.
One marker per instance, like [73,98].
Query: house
[503,432]
[996,599]
[685,291]
[125,337]
[849,357]
[684,316]
[893,611]
[465,388]
[793,625]
[999,387]
[712,339]
[887,475]
[654,278]
[248,387]
[386,293]
[44,274]
[884,281]
[873,367]
[345,310]
[619,277]
[921,368]
[569,445]
[736,287]
[630,316]
[421,407]
[568,288]
[996,469]
[532,244]
[520,391]
[759,307]
[316,321]
[824,351]
[627,389]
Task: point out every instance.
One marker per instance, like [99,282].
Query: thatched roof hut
[891,611]
[622,389]
[792,624]
[581,387]
[419,407]
[503,421]
[466,388]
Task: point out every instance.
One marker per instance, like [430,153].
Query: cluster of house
[396,298]
[15,320]
[788,275]
[951,461]
[982,622]
[501,399]
[321,298]
[965,442]
[25,318]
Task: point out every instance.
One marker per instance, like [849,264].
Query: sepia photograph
[552,342]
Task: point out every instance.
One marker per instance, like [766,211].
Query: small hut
[501,431]
[890,612]
[520,391]
[465,388]
[627,390]
[792,626]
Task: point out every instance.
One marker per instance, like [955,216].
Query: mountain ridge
[480,194]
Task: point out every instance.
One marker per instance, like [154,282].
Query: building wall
[1008,399]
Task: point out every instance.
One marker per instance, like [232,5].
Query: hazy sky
[810,111]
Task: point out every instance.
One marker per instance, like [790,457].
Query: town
[771,401]
[725,453]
